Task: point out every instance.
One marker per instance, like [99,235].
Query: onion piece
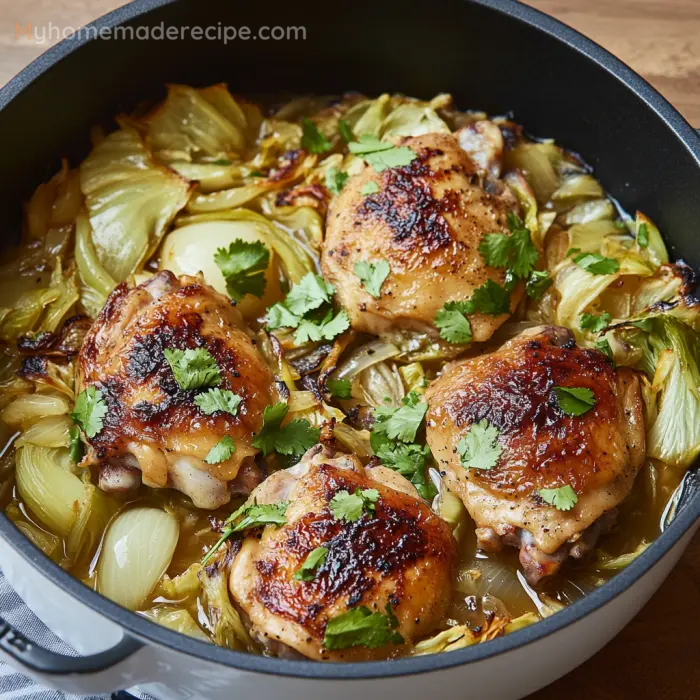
[177,620]
[365,356]
[136,552]
[52,431]
[29,408]
[48,489]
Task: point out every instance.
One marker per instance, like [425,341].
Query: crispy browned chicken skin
[598,453]
[427,220]
[154,426]
[403,554]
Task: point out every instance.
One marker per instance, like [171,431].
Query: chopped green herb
[563,498]
[215,400]
[597,264]
[453,324]
[222,451]
[479,448]
[243,266]
[643,236]
[221,161]
[538,283]
[292,439]
[595,323]
[311,292]
[572,251]
[490,299]
[360,627]
[574,401]
[315,559]
[409,460]
[256,173]
[327,329]
[335,180]
[603,345]
[278,316]
[90,410]
[369,188]
[515,252]
[339,388]
[312,139]
[345,131]
[251,515]
[76,445]
[380,154]
[372,275]
[401,423]
[194,368]
[350,506]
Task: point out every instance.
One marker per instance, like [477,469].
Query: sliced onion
[177,620]
[51,492]
[29,408]
[365,356]
[136,552]
[52,431]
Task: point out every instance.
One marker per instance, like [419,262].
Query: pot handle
[34,659]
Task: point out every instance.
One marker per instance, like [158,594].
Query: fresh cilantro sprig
[76,444]
[292,439]
[597,264]
[603,345]
[401,423]
[537,284]
[381,155]
[350,506]
[593,322]
[574,401]
[89,411]
[360,627]
[327,328]
[345,131]
[372,275]
[453,324]
[243,266]
[223,450]
[251,515]
[312,140]
[313,562]
[335,180]
[409,460]
[563,498]
[479,447]
[214,400]
[195,368]
[643,236]
[515,252]
[339,388]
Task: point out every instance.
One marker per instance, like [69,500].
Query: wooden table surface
[657,655]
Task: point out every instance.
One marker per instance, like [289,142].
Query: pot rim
[150,632]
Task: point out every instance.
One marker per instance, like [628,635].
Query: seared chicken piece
[153,425]
[402,555]
[426,220]
[598,453]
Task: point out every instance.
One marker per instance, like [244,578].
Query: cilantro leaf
[401,423]
[335,180]
[350,506]
[369,188]
[380,154]
[222,451]
[408,460]
[490,299]
[90,410]
[194,368]
[452,323]
[330,327]
[345,131]
[525,255]
[643,236]
[292,439]
[594,323]
[339,388]
[279,316]
[372,275]
[76,445]
[538,283]
[312,139]
[252,515]
[243,266]
[603,345]
[479,448]
[563,498]
[495,249]
[572,251]
[574,401]
[218,400]
[360,627]
[597,264]
[311,292]
[315,559]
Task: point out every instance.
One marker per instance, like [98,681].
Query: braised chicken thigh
[155,429]
[396,558]
[553,472]
[426,219]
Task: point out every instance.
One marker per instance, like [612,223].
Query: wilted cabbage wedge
[130,201]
